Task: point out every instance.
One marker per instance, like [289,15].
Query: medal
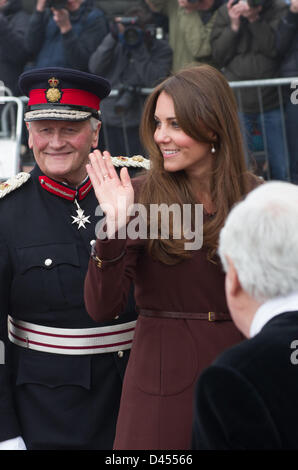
[80,219]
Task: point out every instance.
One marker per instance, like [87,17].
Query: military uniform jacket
[54,401]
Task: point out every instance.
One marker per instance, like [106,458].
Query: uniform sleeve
[230,414]
[9,427]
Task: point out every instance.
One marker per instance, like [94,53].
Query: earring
[213,149]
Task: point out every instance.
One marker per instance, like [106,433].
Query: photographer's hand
[235,12]
[294,6]
[61,17]
[252,14]
[41,5]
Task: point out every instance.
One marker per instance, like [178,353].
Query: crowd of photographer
[130,57]
[246,40]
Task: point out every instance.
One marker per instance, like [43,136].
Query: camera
[57,4]
[133,34]
[127,95]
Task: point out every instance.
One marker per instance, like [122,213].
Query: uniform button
[48,262]
[92,242]
[116,317]
[120,353]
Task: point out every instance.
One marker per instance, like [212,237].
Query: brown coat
[168,354]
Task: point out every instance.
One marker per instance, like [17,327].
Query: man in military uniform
[61,380]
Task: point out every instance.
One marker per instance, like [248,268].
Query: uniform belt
[210,316]
[96,340]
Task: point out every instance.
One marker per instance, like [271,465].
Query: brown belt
[210,316]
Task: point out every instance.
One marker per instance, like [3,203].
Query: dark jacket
[249,54]
[248,398]
[54,401]
[13,24]
[141,66]
[48,47]
[287,44]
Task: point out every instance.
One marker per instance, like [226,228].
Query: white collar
[270,309]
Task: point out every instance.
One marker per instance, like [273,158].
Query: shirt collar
[270,309]
[63,190]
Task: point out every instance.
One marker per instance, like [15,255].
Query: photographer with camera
[243,46]
[130,57]
[190,26]
[64,33]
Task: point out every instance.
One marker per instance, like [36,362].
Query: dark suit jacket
[248,398]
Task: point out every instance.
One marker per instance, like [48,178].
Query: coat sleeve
[152,65]
[223,39]
[36,32]
[107,289]
[9,427]
[79,48]
[197,34]
[160,6]
[101,59]
[12,33]
[286,31]
[230,414]
[264,31]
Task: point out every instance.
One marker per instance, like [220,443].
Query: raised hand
[115,195]
[62,19]
[235,11]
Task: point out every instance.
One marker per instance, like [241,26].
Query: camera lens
[131,36]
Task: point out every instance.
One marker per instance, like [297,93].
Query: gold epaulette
[13,183]
[137,161]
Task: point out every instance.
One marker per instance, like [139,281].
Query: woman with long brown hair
[190,128]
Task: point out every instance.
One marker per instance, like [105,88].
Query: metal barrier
[12,114]
[263,154]
[259,155]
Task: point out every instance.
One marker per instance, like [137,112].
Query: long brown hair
[203,102]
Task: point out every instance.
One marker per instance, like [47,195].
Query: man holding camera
[190,26]
[243,46]
[64,33]
[130,57]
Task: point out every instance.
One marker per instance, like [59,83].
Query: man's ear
[96,136]
[30,143]
[233,285]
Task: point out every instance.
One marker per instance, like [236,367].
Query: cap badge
[53,94]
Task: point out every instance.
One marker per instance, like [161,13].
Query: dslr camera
[133,34]
[57,4]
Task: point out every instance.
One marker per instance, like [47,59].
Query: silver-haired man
[248,398]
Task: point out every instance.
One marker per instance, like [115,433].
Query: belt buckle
[211,316]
